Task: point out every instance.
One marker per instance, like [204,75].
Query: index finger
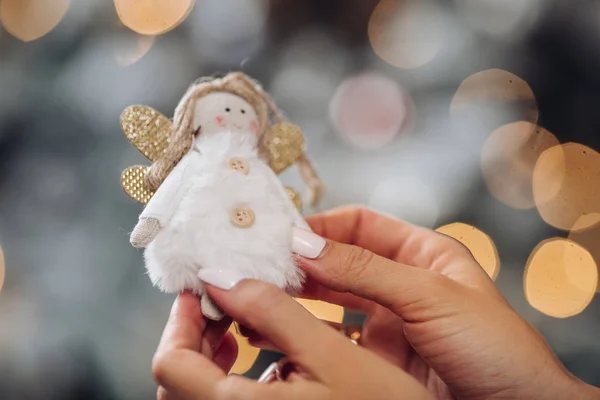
[383,235]
[276,316]
[188,329]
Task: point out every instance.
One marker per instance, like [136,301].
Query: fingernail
[221,278]
[307,244]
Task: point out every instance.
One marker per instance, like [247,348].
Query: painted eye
[243,111]
[227,109]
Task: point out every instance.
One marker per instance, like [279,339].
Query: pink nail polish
[307,244]
[221,278]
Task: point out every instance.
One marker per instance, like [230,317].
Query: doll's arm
[161,207]
[165,201]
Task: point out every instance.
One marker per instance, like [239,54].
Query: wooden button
[243,217]
[239,164]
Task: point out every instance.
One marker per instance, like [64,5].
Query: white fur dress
[194,207]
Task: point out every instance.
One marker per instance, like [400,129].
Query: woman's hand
[330,366]
[188,331]
[432,309]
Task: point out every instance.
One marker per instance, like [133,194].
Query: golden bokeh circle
[29,20]
[131,51]
[153,17]
[508,159]
[561,278]
[323,310]
[247,354]
[589,239]
[566,186]
[479,243]
[495,89]
[406,34]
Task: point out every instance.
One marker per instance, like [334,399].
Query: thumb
[412,293]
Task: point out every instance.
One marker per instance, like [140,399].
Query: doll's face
[224,111]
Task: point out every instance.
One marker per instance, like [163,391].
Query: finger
[256,340]
[397,240]
[227,353]
[186,374]
[162,394]
[313,290]
[213,336]
[403,289]
[185,326]
[240,388]
[279,318]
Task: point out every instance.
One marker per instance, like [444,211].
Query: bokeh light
[589,239]
[479,243]
[495,89]
[560,278]
[153,17]
[407,34]
[369,110]
[247,354]
[508,159]
[29,20]
[506,19]
[407,198]
[323,310]
[566,186]
[133,49]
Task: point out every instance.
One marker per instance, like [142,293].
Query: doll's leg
[210,309]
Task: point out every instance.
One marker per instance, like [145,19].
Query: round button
[239,164]
[242,217]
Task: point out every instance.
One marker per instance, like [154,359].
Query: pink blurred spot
[369,110]
[254,127]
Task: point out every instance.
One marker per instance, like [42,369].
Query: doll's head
[234,103]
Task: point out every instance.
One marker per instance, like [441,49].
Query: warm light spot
[589,239]
[408,33]
[130,51]
[508,159]
[566,186]
[560,278]
[247,354]
[323,310]
[2,269]
[153,17]
[479,243]
[31,19]
[495,89]
[369,110]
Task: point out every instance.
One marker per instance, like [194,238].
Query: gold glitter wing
[285,142]
[132,182]
[147,129]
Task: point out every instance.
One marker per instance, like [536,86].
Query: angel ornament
[214,200]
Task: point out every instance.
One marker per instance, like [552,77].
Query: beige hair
[182,134]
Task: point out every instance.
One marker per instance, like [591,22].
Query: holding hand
[331,366]
[144,232]
[432,310]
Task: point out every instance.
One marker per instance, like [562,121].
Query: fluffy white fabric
[194,206]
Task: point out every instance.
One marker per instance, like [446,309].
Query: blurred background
[474,117]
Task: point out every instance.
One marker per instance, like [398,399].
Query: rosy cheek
[254,127]
[220,121]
